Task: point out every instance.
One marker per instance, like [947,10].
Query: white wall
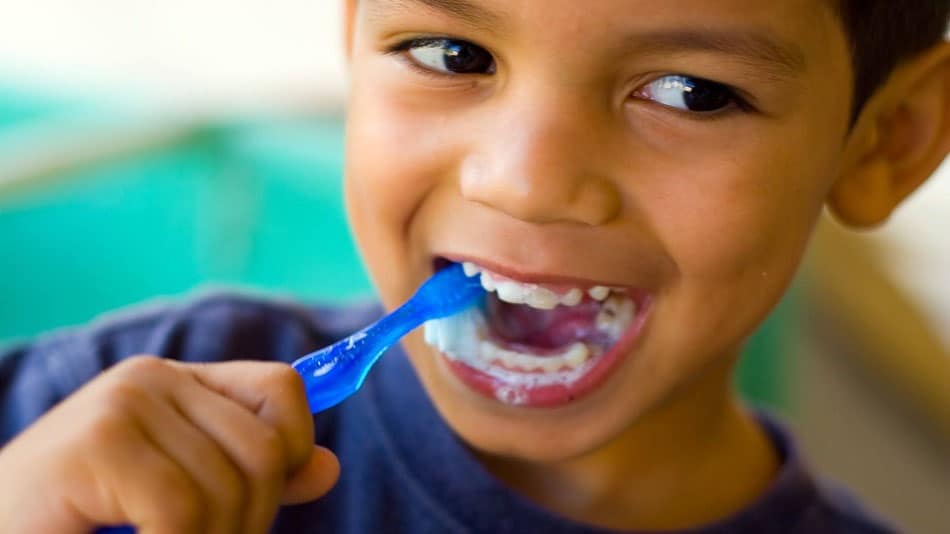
[209,50]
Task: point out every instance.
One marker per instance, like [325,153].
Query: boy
[633,180]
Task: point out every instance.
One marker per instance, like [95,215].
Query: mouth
[538,341]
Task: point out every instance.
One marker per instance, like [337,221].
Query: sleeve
[37,375]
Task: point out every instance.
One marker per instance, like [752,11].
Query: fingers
[224,489]
[255,447]
[272,391]
[163,499]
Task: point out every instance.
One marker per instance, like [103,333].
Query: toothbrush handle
[334,373]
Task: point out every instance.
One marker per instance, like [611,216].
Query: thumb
[315,478]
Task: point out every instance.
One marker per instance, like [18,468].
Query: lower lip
[555,395]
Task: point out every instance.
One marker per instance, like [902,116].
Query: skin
[555,164]
[548,167]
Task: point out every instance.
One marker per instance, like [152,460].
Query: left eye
[688,94]
[450,56]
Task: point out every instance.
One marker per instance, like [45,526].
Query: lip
[552,395]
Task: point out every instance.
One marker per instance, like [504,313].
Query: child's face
[591,143]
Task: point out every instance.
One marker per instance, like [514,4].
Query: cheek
[737,229]
[396,154]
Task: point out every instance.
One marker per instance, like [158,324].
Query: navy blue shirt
[403,470]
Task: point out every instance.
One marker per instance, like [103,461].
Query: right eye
[449,56]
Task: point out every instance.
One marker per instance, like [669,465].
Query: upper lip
[529,277]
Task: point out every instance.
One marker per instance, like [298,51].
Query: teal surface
[253,205]
[250,204]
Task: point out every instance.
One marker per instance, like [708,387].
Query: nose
[537,165]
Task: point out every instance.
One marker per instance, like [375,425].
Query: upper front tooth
[541,298]
[572,297]
[487,282]
[598,292]
[512,292]
[470,269]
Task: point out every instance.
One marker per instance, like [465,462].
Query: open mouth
[538,344]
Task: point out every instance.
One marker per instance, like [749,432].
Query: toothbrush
[334,373]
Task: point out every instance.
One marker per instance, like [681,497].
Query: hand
[169,448]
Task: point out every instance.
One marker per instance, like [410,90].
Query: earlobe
[865,197]
[907,136]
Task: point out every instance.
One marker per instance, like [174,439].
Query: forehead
[496,12]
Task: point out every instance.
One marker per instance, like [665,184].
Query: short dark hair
[883,33]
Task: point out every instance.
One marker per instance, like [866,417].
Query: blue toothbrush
[334,373]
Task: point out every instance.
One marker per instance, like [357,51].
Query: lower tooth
[572,358]
[577,354]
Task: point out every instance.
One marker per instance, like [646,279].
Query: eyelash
[739,104]
[401,50]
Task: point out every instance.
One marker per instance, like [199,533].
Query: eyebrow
[783,58]
[469,12]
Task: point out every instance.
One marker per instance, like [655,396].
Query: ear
[349,24]
[900,139]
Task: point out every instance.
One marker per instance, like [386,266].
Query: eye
[449,56]
[689,94]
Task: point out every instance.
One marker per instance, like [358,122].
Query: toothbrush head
[449,292]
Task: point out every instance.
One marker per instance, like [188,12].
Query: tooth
[541,298]
[577,355]
[615,315]
[552,365]
[470,269]
[512,292]
[572,297]
[487,282]
[528,363]
[598,292]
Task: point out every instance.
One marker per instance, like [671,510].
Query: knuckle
[142,365]
[124,398]
[282,379]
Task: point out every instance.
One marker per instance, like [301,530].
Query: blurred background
[156,149]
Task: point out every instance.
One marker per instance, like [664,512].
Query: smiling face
[679,151]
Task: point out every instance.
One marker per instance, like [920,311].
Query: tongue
[543,329]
